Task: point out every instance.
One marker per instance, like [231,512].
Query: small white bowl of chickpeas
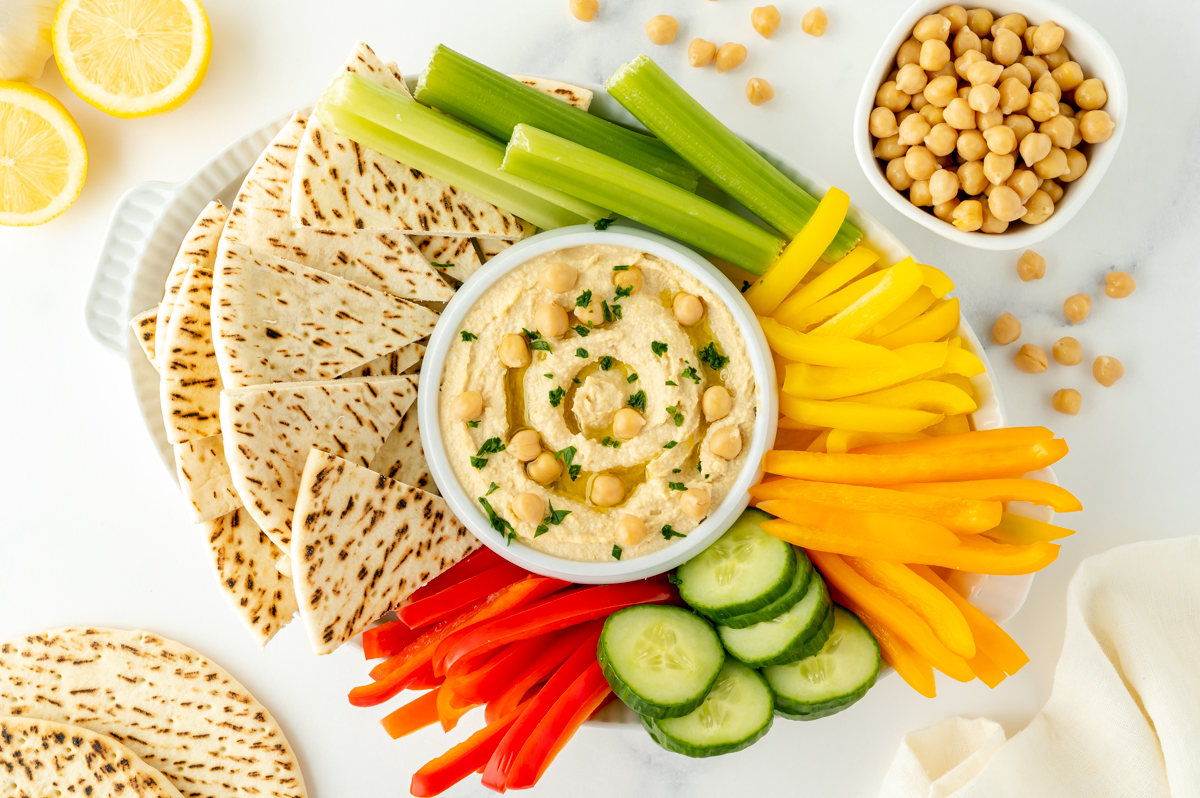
[991,126]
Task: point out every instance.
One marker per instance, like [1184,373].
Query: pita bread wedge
[405,360]
[261,219]
[361,543]
[278,321]
[339,185]
[577,96]
[403,459]
[204,478]
[453,257]
[244,559]
[42,758]
[491,247]
[145,327]
[199,246]
[177,710]
[190,389]
[269,430]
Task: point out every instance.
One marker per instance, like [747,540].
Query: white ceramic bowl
[1086,47]
[467,508]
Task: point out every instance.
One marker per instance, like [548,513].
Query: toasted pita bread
[491,247]
[361,543]
[577,96]
[453,257]
[277,321]
[145,327]
[199,246]
[270,429]
[173,707]
[403,459]
[244,559]
[42,758]
[402,361]
[339,185]
[204,478]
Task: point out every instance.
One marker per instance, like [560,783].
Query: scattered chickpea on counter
[584,10]
[1107,370]
[730,56]
[1031,359]
[1006,329]
[662,29]
[759,91]
[701,52]
[815,22]
[1119,285]
[765,20]
[1068,351]
[1031,266]
[1067,400]
[1077,308]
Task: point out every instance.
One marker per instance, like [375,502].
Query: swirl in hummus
[598,402]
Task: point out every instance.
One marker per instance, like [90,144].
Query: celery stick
[670,113]
[486,186]
[406,117]
[496,103]
[595,177]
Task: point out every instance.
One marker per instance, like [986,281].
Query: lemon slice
[42,157]
[132,58]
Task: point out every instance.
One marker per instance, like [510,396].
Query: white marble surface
[93,531]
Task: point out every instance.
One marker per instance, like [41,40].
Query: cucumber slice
[832,679]
[745,570]
[734,715]
[779,606]
[800,632]
[661,661]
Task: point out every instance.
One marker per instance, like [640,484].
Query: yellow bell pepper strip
[1001,490]
[798,347]
[957,515]
[806,536]
[977,441]
[826,282]
[898,580]
[1019,530]
[914,306]
[936,280]
[800,255]
[989,637]
[865,531]
[855,416]
[964,384]
[831,305]
[894,469]
[988,672]
[895,650]
[831,382]
[978,555]
[931,395]
[950,425]
[958,361]
[898,285]
[841,441]
[891,612]
[940,320]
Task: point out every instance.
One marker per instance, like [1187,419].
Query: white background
[93,531]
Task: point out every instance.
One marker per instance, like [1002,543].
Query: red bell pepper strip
[451,706]
[569,712]
[538,669]
[495,776]
[423,679]
[489,680]
[462,760]
[474,563]
[559,612]
[416,714]
[387,639]
[444,604]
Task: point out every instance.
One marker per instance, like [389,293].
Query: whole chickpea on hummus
[599,400]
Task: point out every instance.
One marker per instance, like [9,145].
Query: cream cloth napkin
[1124,716]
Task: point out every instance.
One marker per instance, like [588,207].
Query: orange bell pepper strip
[895,650]
[892,613]
[988,672]
[957,515]
[1001,490]
[1019,530]
[894,469]
[885,530]
[387,639]
[978,555]
[942,318]
[451,706]
[857,261]
[462,760]
[989,637]
[943,617]
[540,667]
[416,714]
[975,441]
[807,536]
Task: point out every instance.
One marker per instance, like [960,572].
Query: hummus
[636,354]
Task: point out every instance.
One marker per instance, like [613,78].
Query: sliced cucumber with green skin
[661,661]
[745,570]
[832,679]
[735,714]
[798,633]
[779,606]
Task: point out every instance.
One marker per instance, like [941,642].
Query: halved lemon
[42,158]
[132,58]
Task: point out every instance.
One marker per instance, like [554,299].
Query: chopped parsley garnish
[490,446]
[583,331]
[469,336]
[672,383]
[479,462]
[624,291]
[602,224]
[658,348]
[577,381]
[632,377]
[676,470]
[710,355]
[624,268]
[697,465]
[676,486]
[497,522]
[541,346]
[566,455]
[606,310]
[473,424]
[554,519]
[690,374]
[670,444]
[638,401]
[581,352]
[745,286]
[530,335]
[437,265]
[548,375]
[610,442]
[675,415]
[616,311]
[575,471]
[617,551]
[492,488]
[584,299]
[669,533]
[556,397]
[606,362]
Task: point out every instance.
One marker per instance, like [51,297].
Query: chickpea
[1048,38]
[558,277]
[1014,96]
[1068,76]
[918,101]
[972,146]
[985,47]
[701,52]
[934,55]
[513,352]
[1024,182]
[529,508]
[1077,308]
[1048,85]
[889,148]
[964,62]
[965,40]
[972,178]
[918,194]
[957,16]
[1067,400]
[1053,190]
[584,10]
[941,139]
[1095,127]
[688,308]
[1027,37]
[991,119]
[662,29]
[550,320]
[939,92]
[943,186]
[900,117]
[988,188]
[1031,266]
[1042,106]
[525,445]
[919,163]
[1068,351]
[1057,58]
[544,469]
[1091,95]
[1035,66]
[607,490]
[897,175]
[933,26]
[1004,202]
[759,91]
[1000,139]
[695,502]
[716,403]
[1065,110]
[628,423]
[991,224]
[1006,47]
[1019,72]
[1052,165]
[1119,285]
[726,442]
[467,406]
[984,98]
[1077,123]
[945,210]
[765,20]
[997,169]
[934,116]
[630,278]
[983,73]
[959,114]
[1038,209]
[1020,124]
[1031,359]
[1107,370]
[731,55]
[968,216]
[979,20]
[909,53]
[914,129]
[1035,147]
[631,530]
[964,92]
[1006,329]
[911,79]
[1060,130]
[815,22]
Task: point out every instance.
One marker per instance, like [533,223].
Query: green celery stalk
[496,103]
[406,117]
[670,113]
[595,177]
